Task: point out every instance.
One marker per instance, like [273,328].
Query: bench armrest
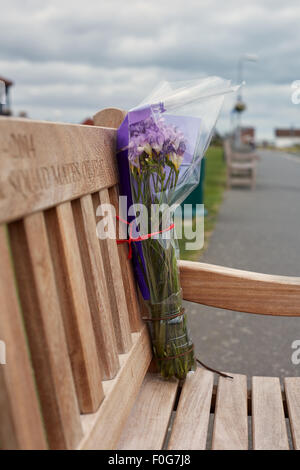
[243,291]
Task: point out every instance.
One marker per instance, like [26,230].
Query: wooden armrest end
[243,291]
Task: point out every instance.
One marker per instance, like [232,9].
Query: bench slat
[148,421]
[75,307]
[113,117]
[21,424]
[45,330]
[292,391]
[114,280]
[127,272]
[190,426]
[269,427]
[231,417]
[96,285]
[103,428]
[43,164]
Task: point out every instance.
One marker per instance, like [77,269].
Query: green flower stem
[169,337]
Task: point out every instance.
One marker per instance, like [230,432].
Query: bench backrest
[76,349]
[232,155]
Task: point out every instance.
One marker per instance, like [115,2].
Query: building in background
[287,137]
[5,108]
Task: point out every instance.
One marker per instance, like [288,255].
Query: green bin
[197,195]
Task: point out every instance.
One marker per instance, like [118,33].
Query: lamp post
[240,70]
[2,96]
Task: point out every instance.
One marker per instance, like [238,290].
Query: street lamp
[240,104]
[2,96]
[240,68]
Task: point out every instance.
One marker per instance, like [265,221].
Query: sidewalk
[258,231]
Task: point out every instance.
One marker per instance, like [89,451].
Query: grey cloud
[73,56]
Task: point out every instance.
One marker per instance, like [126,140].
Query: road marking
[291,157]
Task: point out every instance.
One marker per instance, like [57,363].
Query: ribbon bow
[131,239]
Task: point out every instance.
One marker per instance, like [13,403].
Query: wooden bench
[241,167]
[77,351]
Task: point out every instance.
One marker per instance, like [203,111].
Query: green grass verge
[214,185]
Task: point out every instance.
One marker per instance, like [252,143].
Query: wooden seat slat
[116,292]
[292,391]
[268,420]
[96,285]
[45,330]
[230,430]
[189,431]
[21,425]
[242,166]
[148,421]
[74,306]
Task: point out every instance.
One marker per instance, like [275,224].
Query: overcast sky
[70,58]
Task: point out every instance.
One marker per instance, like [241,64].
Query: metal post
[240,70]
[2,96]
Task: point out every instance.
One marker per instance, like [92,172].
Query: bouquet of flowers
[160,145]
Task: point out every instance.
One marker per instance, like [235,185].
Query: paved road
[259,231]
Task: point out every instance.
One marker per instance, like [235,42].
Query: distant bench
[241,166]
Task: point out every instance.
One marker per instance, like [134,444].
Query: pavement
[257,230]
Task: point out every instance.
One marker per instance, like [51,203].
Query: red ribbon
[138,239]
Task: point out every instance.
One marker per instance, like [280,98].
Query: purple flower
[181,148]
[154,139]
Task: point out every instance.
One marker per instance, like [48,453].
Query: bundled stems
[172,346]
